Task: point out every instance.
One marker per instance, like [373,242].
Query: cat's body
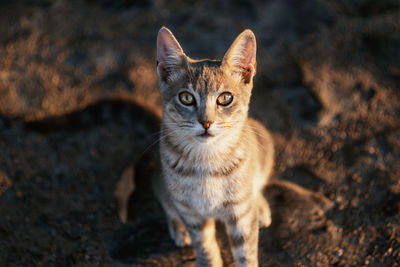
[215,160]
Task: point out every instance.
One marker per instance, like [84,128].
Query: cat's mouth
[205,135]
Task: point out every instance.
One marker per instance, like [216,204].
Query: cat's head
[205,99]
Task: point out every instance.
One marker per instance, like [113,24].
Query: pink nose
[206,124]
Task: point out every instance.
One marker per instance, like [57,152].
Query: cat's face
[205,100]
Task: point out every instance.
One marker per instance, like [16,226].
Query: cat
[215,159]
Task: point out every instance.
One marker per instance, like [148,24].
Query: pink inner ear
[162,47]
[248,56]
[248,62]
[163,52]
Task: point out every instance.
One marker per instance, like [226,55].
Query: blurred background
[80,112]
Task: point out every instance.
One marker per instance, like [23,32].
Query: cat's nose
[206,124]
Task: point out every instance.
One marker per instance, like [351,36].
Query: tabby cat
[215,160]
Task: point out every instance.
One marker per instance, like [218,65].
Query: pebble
[5,182]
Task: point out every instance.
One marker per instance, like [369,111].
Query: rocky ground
[79,104]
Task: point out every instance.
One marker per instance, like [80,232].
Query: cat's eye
[224,99]
[186,98]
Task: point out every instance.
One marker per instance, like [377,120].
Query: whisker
[155,142]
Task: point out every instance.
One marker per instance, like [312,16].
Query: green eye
[186,98]
[224,99]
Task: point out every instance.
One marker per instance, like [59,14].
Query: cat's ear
[240,59]
[170,57]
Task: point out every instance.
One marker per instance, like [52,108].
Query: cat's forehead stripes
[205,75]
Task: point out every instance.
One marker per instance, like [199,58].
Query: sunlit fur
[219,176]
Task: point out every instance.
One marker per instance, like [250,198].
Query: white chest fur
[205,195]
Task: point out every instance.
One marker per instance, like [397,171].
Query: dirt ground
[79,104]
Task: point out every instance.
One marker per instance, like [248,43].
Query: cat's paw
[182,238]
[264,214]
[264,219]
[179,234]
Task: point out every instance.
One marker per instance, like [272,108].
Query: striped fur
[218,177]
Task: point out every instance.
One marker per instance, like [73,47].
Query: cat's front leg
[243,233]
[202,233]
